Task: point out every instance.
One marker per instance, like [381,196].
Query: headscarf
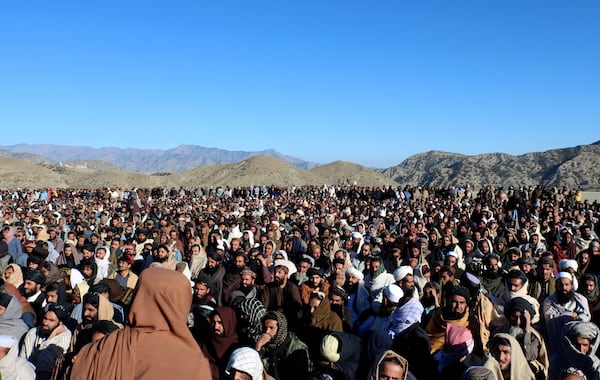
[54,274]
[62,258]
[374,373]
[157,334]
[10,321]
[247,360]
[255,311]
[282,330]
[459,343]
[17,277]
[217,346]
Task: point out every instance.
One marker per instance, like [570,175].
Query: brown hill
[342,172]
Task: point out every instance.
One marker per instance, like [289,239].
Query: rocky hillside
[572,167]
[176,160]
[256,170]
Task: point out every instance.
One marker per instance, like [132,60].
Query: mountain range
[34,166]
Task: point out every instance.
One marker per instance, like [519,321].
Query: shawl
[16,278]
[157,342]
[10,321]
[519,367]
[436,328]
[217,348]
[63,259]
[374,373]
[254,310]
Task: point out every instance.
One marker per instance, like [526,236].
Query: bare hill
[341,172]
[15,173]
[256,170]
[571,167]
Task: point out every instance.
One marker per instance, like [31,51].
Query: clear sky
[370,82]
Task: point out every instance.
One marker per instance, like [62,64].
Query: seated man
[44,344]
[579,348]
[284,355]
[507,352]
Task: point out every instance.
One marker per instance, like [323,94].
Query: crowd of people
[311,282]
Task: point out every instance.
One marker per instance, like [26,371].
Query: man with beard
[507,352]
[563,306]
[545,283]
[381,319]
[283,296]
[377,279]
[315,283]
[32,291]
[223,339]
[202,306]
[358,295]
[247,288]
[338,300]
[518,314]
[515,286]
[285,356]
[96,307]
[491,277]
[162,255]
[214,272]
[579,350]
[410,309]
[306,262]
[42,345]
[232,278]
[456,311]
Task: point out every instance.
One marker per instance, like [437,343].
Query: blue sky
[367,82]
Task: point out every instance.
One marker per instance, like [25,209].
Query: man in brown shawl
[156,344]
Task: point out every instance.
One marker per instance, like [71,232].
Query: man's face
[240,262]
[212,263]
[353,280]
[30,288]
[315,280]
[334,299]
[114,245]
[390,371]
[375,265]
[546,271]
[87,271]
[303,267]
[87,254]
[313,303]
[52,296]
[101,253]
[514,284]
[407,284]
[590,285]
[564,286]
[281,275]
[32,265]
[195,250]
[445,277]
[200,291]
[247,280]
[49,323]
[235,245]
[458,304]
[8,272]
[90,313]
[271,327]
[502,354]
[216,325]
[582,344]
[123,265]
[339,268]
